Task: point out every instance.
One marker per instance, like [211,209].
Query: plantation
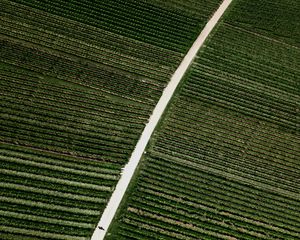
[147,21]
[79,81]
[224,161]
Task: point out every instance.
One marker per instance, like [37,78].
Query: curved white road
[168,92]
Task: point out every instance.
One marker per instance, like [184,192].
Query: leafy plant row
[113,17]
[33,154]
[208,191]
[210,179]
[221,205]
[99,79]
[89,52]
[229,120]
[238,141]
[64,100]
[246,173]
[89,34]
[204,217]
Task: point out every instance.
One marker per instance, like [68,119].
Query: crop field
[224,161]
[168,25]
[79,80]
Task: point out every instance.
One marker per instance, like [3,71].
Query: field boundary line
[167,94]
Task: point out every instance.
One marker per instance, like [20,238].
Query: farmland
[224,161]
[78,83]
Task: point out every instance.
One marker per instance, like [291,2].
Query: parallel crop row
[246,144]
[234,75]
[27,119]
[224,163]
[135,19]
[91,36]
[79,80]
[99,78]
[89,52]
[50,193]
[78,83]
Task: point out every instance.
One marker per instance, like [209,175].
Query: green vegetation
[168,27]
[54,193]
[279,20]
[224,163]
[79,80]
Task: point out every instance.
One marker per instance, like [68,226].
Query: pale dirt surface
[168,92]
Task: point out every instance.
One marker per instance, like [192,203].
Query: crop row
[235,206]
[190,189]
[255,58]
[9,233]
[130,118]
[41,133]
[207,190]
[62,98]
[223,164]
[56,87]
[37,180]
[219,181]
[87,51]
[89,34]
[29,155]
[67,88]
[34,135]
[147,230]
[69,130]
[207,226]
[97,78]
[55,197]
[229,151]
[57,117]
[202,216]
[191,8]
[68,78]
[231,148]
[177,221]
[197,198]
[51,132]
[53,141]
[262,47]
[76,98]
[51,194]
[252,109]
[173,228]
[230,210]
[233,92]
[261,76]
[45,114]
[43,210]
[259,18]
[146,23]
[238,142]
[234,122]
[115,18]
[47,226]
[23,171]
[157,206]
[17,164]
[245,174]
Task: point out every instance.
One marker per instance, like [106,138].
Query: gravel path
[168,92]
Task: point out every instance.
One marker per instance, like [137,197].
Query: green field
[79,80]
[224,161]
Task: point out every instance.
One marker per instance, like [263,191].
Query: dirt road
[168,92]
